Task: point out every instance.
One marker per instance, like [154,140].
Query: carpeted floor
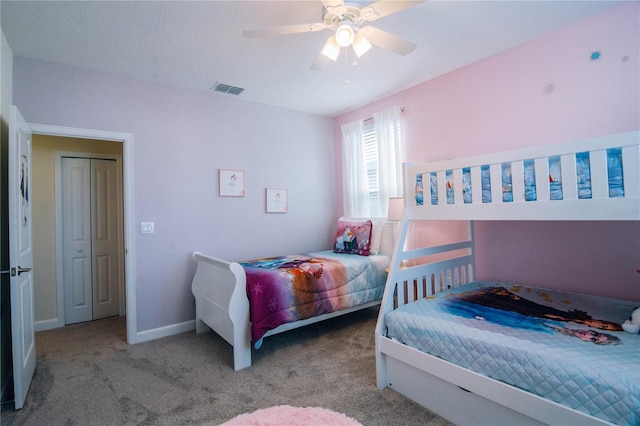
[86,374]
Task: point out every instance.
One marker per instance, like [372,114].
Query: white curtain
[354,173]
[390,154]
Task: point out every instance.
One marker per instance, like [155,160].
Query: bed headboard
[590,179]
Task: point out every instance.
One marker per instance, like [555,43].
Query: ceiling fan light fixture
[331,49]
[344,34]
[344,18]
[360,45]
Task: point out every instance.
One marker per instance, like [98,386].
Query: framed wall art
[231,183]
[276,200]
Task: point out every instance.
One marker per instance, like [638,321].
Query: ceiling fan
[345,20]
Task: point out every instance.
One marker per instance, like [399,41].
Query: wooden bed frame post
[471,270]
[387,303]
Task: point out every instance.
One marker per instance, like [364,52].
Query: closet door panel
[76,235]
[105,230]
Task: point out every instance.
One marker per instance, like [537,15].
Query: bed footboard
[219,288]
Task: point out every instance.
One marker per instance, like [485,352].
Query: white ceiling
[195,44]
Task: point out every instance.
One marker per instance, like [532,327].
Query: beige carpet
[87,375]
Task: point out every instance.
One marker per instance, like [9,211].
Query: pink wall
[501,103]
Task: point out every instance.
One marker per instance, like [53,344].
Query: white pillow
[376,236]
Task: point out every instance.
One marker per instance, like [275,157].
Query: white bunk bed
[460,394]
[222,305]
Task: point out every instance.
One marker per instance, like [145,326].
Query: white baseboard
[169,330]
[46,325]
[142,336]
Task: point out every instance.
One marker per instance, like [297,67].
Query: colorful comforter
[296,287]
[566,347]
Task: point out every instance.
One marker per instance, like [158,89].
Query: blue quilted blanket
[569,348]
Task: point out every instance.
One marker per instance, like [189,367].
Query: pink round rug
[288,415]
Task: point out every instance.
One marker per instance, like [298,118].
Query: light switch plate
[146,227]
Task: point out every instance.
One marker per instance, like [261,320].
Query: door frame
[128,212]
[58,228]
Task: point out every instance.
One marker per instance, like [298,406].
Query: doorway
[54,192]
[90,197]
[87,140]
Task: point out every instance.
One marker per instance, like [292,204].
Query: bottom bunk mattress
[296,287]
[566,347]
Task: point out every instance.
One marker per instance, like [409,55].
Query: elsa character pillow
[353,237]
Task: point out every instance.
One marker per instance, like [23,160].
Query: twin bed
[244,302]
[502,353]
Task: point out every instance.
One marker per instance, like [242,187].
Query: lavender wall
[180,140]
[546,91]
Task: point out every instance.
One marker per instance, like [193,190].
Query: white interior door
[21,256]
[91,239]
[76,245]
[105,233]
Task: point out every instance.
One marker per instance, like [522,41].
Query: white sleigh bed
[220,291]
[460,191]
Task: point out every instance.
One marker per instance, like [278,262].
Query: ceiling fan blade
[387,41]
[332,3]
[335,7]
[383,8]
[284,30]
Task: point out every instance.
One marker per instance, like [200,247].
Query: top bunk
[589,179]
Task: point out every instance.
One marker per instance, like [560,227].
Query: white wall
[180,140]
[6,76]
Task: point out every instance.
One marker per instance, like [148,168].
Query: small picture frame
[276,200]
[231,183]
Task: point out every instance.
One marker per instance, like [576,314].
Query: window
[370,151]
[372,172]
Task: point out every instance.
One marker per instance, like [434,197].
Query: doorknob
[21,270]
[16,271]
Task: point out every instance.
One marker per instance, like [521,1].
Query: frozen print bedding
[296,287]
[569,348]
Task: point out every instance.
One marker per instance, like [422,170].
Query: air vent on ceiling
[226,88]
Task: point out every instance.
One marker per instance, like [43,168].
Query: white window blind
[370,150]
